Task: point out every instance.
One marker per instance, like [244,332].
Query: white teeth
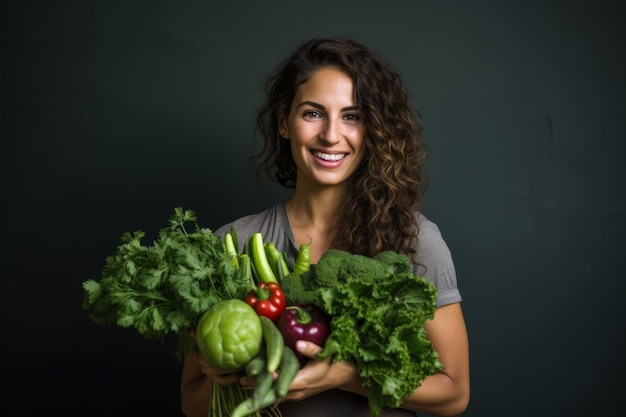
[329,156]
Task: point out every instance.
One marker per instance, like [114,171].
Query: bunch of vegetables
[248,310]
[190,279]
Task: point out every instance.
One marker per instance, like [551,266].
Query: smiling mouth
[332,157]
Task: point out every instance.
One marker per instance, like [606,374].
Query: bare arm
[195,388]
[447,392]
[196,385]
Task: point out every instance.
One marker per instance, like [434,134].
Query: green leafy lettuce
[378,308]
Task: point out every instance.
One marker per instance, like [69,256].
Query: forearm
[437,395]
[196,397]
[196,389]
[447,392]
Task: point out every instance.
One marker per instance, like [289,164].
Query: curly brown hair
[379,211]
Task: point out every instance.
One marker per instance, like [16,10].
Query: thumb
[308,349]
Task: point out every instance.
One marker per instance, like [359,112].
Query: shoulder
[434,261]
[271,222]
[429,237]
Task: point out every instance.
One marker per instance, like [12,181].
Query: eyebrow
[319,106]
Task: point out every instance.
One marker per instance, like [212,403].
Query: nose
[331,132]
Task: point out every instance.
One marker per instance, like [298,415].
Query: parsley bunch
[164,288]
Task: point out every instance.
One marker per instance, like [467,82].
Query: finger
[308,349]
[226,379]
[246,381]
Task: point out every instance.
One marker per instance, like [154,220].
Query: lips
[330,157]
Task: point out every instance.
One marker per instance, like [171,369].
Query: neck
[315,208]
[312,214]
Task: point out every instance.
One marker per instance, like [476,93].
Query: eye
[312,114]
[353,117]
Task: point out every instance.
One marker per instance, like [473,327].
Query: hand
[319,375]
[217,375]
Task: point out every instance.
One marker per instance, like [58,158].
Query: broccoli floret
[325,273]
[397,263]
[295,293]
[336,266]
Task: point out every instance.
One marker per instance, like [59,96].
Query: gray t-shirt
[438,268]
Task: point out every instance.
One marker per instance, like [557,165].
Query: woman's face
[326,129]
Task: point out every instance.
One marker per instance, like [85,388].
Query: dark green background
[115,112]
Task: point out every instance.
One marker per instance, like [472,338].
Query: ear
[283,127]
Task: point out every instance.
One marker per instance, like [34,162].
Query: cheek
[358,143]
[297,149]
[303,132]
[302,136]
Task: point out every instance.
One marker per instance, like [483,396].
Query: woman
[342,131]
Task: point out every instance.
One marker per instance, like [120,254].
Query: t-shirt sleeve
[435,263]
[243,227]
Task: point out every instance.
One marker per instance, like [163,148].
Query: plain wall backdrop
[115,112]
